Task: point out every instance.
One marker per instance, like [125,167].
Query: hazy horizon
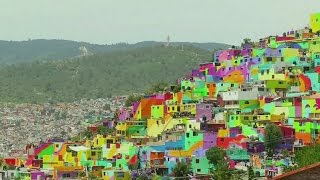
[120,21]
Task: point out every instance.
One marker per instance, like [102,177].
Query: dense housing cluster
[224,103]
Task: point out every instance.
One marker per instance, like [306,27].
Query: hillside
[120,72]
[45,50]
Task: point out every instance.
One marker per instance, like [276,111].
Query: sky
[131,21]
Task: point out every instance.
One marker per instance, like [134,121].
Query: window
[189,125]
[269,59]
[232,85]
[93,153]
[262,72]
[268,71]
[245,118]
[246,102]
[272,76]
[197,161]
[65,175]
[198,170]
[195,133]
[120,174]
[187,135]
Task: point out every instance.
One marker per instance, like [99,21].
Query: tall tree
[273,136]
[215,155]
[181,170]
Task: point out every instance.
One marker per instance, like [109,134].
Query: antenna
[168,41]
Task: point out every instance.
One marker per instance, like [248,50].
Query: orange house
[157,158]
[211,89]
[145,106]
[304,138]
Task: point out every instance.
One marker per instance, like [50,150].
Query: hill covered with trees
[12,52]
[114,73]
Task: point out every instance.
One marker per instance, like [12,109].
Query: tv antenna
[168,41]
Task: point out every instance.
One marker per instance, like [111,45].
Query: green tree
[251,175]
[181,170]
[88,134]
[273,136]
[222,171]
[158,87]
[107,107]
[103,130]
[131,99]
[247,41]
[63,134]
[1,162]
[63,114]
[215,155]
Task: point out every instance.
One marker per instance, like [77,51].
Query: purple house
[195,73]
[209,140]
[69,175]
[108,123]
[37,175]
[272,52]
[203,112]
[255,147]
[135,106]
[124,115]
[235,131]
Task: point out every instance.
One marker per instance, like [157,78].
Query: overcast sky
[112,21]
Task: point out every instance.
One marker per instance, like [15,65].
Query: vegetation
[1,162]
[181,170]
[131,99]
[251,175]
[103,130]
[307,155]
[246,41]
[216,156]
[273,136]
[97,76]
[157,87]
[12,52]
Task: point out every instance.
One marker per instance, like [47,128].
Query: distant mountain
[100,75]
[12,52]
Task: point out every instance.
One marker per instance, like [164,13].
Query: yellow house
[101,140]
[189,108]
[315,22]
[289,53]
[270,74]
[121,129]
